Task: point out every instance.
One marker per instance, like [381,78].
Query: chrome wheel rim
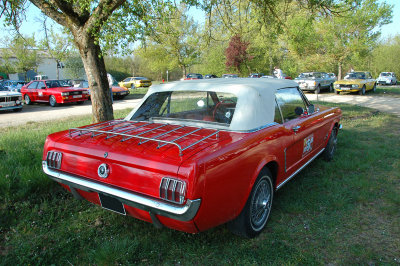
[27,100]
[52,101]
[334,142]
[260,205]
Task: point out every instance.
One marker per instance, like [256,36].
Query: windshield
[385,74]
[355,75]
[199,106]
[310,75]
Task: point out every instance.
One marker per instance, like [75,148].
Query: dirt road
[381,103]
[43,112]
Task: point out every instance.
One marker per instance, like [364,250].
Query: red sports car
[194,155]
[52,92]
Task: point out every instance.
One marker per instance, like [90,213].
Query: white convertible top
[255,106]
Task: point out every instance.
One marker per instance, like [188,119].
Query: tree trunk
[100,92]
[340,71]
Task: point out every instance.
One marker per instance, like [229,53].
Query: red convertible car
[52,92]
[196,154]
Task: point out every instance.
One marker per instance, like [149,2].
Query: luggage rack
[97,129]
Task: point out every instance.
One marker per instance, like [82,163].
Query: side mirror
[311,108]
[299,110]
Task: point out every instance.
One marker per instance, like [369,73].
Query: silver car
[387,78]
[315,81]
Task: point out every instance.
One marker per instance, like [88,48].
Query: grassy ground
[342,212]
[388,91]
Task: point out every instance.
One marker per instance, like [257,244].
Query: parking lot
[44,112]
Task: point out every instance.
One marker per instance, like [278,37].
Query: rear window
[199,106]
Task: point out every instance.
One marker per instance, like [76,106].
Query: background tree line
[148,38]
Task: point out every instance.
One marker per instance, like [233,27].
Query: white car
[10,100]
[387,78]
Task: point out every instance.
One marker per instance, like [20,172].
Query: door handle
[296,128]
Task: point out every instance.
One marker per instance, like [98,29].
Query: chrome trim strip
[181,213]
[285,158]
[298,170]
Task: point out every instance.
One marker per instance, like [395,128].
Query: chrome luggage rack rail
[101,128]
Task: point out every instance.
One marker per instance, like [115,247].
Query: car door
[41,91]
[303,126]
[370,81]
[32,92]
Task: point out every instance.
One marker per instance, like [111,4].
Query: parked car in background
[256,75]
[269,77]
[117,92]
[14,85]
[332,76]
[52,92]
[40,77]
[194,155]
[135,82]
[210,76]
[387,78]
[10,100]
[315,81]
[356,81]
[229,76]
[192,76]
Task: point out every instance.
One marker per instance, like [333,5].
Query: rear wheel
[330,148]
[132,86]
[254,216]
[52,101]
[362,91]
[331,88]
[374,88]
[27,99]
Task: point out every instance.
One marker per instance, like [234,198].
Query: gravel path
[382,103]
[43,112]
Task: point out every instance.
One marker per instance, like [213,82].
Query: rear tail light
[54,159]
[173,190]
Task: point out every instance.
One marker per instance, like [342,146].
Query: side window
[41,85]
[288,100]
[32,85]
[278,116]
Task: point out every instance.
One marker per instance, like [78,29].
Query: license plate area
[111,204]
[77,96]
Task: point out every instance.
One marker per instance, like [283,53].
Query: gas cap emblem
[103,170]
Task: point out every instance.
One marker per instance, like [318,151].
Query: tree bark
[340,71]
[95,69]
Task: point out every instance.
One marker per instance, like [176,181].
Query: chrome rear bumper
[155,206]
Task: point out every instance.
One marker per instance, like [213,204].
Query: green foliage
[386,57]
[23,48]
[74,67]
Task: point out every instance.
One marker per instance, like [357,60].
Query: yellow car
[356,81]
[135,82]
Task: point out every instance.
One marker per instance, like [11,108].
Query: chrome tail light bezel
[54,159]
[173,190]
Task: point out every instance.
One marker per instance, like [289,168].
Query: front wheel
[330,148]
[27,100]
[254,216]
[362,91]
[52,101]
